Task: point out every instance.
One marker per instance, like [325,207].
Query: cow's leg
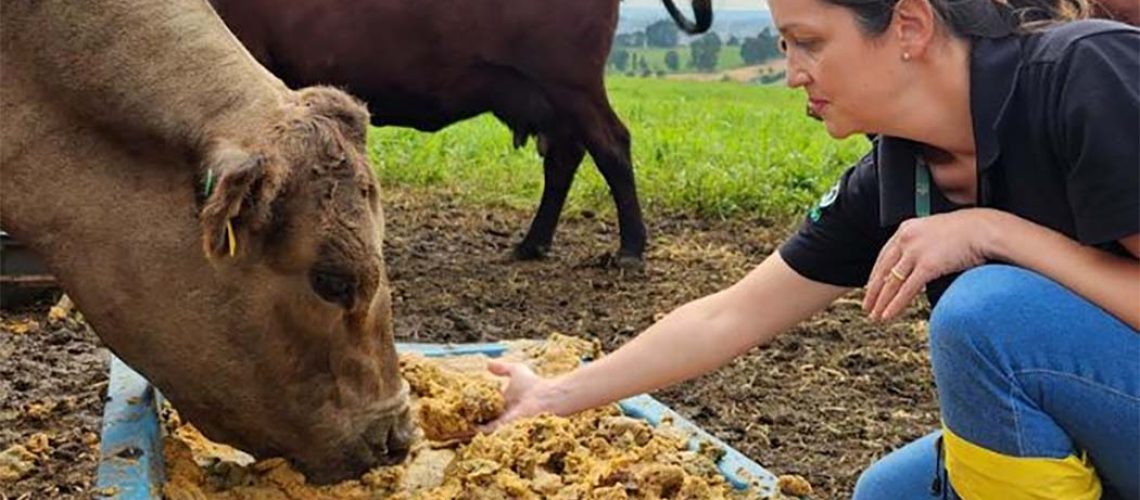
[563,153]
[608,142]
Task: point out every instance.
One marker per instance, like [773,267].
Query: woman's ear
[913,26]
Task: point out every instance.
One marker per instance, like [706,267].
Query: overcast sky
[717,4]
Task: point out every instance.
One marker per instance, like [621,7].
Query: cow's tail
[702,13]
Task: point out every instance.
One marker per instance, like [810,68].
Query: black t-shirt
[1056,118]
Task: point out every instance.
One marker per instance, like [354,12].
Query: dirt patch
[822,401]
[53,376]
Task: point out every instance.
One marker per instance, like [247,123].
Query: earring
[906,56]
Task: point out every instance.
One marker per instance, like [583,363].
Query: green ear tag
[209,187]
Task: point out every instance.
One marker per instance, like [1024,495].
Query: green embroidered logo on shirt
[825,201]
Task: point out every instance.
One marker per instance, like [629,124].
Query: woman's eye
[332,286]
[809,45]
[801,44]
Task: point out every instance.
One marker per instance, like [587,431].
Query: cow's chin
[385,441]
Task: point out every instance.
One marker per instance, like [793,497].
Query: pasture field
[706,149]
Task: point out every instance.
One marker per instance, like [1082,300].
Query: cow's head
[294,225]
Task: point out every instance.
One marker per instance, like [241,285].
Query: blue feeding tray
[132,466]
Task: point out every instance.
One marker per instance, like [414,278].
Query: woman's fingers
[905,294]
[887,258]
[490,427]
[518,377]
[519,390]
[499,368]
[891,284]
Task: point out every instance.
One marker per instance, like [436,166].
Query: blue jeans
[1024,368]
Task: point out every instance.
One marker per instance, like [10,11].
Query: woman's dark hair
[974,18]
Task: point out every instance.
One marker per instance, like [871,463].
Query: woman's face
[849,76]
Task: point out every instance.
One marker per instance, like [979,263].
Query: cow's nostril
[392,439]
[395,456]
[393,450]
[400,440]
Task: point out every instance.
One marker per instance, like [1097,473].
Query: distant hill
[726,23]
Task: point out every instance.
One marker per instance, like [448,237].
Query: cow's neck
[186,79]
[100,170]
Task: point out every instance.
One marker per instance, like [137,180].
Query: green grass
[709,149]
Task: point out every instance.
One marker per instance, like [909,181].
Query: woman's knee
[872,483]
[982,307]
[906,473]
[877,481]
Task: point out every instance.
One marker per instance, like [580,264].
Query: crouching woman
[1005,181]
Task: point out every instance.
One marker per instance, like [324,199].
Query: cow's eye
[334,286]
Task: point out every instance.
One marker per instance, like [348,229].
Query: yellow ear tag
[231,238]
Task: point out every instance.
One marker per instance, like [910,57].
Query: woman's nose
[797,77]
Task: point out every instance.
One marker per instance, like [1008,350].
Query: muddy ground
[823,401]
[53,377]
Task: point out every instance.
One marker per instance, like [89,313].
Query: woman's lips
[816,106]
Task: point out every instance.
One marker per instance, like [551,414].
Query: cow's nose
[395,455]
[394,437]
[400,439]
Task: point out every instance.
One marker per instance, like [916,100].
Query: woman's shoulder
[1059,42]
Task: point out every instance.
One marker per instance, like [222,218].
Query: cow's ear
[240,188]
[348,113]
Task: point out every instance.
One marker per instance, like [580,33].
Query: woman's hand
[923,250]
[527,394]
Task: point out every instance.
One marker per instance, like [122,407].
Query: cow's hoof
[627,262]
[621,262]
[528,252]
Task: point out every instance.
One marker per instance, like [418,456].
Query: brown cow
[277,338]
[536,65]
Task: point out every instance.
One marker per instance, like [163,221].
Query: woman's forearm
[1109,281]
[689,341]
[696,338]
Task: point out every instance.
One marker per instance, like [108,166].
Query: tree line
[704,52]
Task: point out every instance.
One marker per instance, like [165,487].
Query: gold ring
[897,275]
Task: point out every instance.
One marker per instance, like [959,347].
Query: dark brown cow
[537,65]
